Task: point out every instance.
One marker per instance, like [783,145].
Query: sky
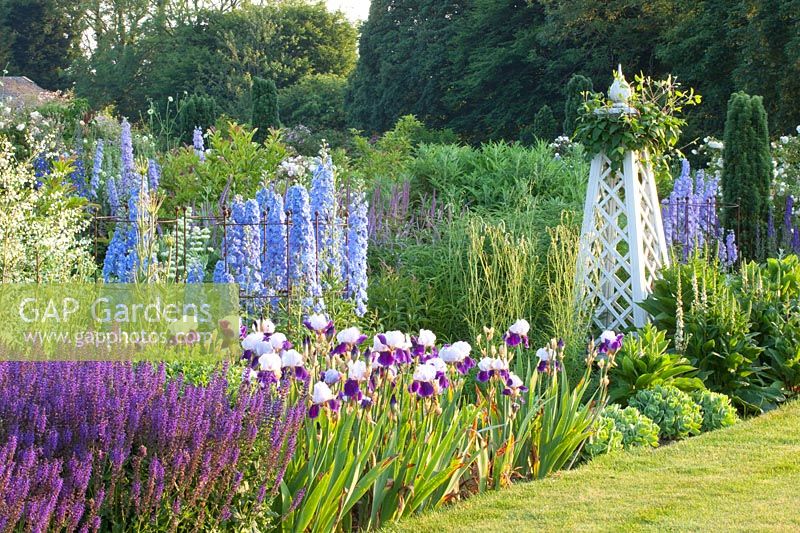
[354,9]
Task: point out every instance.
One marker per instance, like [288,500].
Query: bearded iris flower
[322,396]
[517,333]
[348,339]
[458,354]
[424,381]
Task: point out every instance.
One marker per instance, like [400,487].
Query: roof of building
[21,92]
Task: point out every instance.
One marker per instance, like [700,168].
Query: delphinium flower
[227,269]
[321,397]
[128,171]
[788,215]
[112,196]
[423,346]
[153,174]
[323,212]
[41,166]
[518,333]
[731,251]
[78,175]
[97,168]
[356,253]
[195,272]
[796,240]
[302,245]
[458,354]
[273,264]
[349,339]
[197,143]
[248,268]
[122,259]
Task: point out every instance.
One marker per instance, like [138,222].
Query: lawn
[744,478]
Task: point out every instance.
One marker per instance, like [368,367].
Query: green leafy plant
[676,414]
[605,438]
[649,123]
[636,428]
[718,412]
[643,363]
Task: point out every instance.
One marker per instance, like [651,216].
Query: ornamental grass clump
[676,414]
[718,412]
[90,446]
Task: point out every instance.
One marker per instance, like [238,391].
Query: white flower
[451,355]
[515,381]
[486,364]
[798,129]
[437,363]
[425,372]
[277,340]
[318,322]
[321,393]
[35,115]
[396,339]
[291,358]
[270,362]
[357,370]
[426,338]
[331,376]
[499,364]
[377,345]
[462,347]
[170,99]
[20,126]
[252,375]
[150,111]
[520,327]
[715,145]
[264,325]
[784,139]
[348,336]
[608,336]
[251,341]
[543,354]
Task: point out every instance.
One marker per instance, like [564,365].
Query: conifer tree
[265,107]
[576,86]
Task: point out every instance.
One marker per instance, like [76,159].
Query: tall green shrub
[265,107]
[196,111]
[576,86]
[747,172]
[544,124]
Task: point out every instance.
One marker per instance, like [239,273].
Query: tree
[316,101]
[573,95]
[747,173]
[40,39]
[265,107]
[196,111]
[544,124]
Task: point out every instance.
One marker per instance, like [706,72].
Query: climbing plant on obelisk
[630,135]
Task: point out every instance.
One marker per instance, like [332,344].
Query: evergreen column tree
[544,124]
[747,173]
[265,107]
[576,86]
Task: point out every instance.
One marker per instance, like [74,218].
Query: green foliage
[544,124]
[636,428]
[653,126]
[773,292]
[643,363]
[316,101]
[697,307]
[747,174]
[265,107]
[606,438]
[676,414]
[574,98]
[195,111]
[717,410]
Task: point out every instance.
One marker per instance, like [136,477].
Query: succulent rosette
[517,334]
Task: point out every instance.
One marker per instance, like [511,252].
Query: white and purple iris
[320,324]
[518,333]
[457,354]
[292,361]
[270,365]
[349,339]
[609,342]
[514,385]
[322,396]
[547,360]
[391,347]
[357,373]
[425,381]
[422,343]
[489,367]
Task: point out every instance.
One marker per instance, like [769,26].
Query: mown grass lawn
[744,478]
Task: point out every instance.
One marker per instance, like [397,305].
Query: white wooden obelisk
[622,238]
